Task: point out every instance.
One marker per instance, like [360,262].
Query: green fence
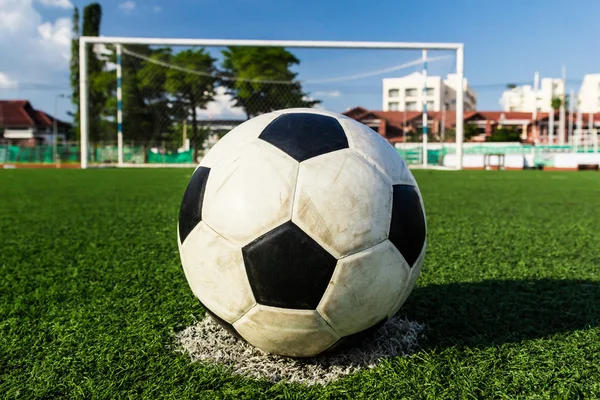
[97,154]
[185,157]
[107,154]
[414,154]
[37,154]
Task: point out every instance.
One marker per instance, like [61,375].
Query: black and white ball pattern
[302,231]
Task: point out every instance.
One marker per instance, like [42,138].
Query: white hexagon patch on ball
[302,232]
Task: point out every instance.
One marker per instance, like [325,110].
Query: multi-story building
[406,93]
[525,99]
[589,94]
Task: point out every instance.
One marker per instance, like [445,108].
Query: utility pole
[551,115]
[536,81]
[55,131]
[119,106]
[579,131]
[185,134]
[594,133]
[55,128]
[443,123]
[561,128]
[571,102]
[590,132]
[425,108]
[404,126]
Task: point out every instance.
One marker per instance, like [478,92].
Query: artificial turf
[91,291]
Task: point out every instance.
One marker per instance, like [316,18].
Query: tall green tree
[97,90]
[74,67]
[147,110]
[148,106]
[192,85]
[260,79]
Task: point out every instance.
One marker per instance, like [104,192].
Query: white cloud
[57,3]
[57,33]
[333,93]
[34,52]
[127,6]
[7,83]
[27,42]
[15,15]
[221,108]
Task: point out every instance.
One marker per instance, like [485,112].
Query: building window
[393,106]
[429,91]
[410,92]
[393,92]
[430,105]
[411,106]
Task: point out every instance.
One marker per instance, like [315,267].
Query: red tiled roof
[42,119]
[509,115]
[397,118]
[450,117]
[392,117]
[15,113]
[355,112]
[20,113]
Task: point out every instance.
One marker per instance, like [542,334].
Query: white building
[406,93]
[523,98]
[589,94]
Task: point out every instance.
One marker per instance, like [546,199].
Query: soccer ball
[302,232]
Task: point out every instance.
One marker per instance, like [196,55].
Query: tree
[192,86]
[470,130]
[97,91]
[74,67]
[555,103]
[147,115]
[260,80]
[150,114]
[505,134]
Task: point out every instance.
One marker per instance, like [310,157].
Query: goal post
[84,41]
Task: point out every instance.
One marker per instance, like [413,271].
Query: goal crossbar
[85,40]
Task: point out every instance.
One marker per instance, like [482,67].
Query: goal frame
[84,41]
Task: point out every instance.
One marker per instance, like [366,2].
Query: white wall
[522,98]
[443,93]
[556,160]
[589,94]
[470,97]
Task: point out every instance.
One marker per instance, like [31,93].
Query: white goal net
[167,101]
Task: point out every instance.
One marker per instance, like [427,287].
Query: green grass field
[92,291]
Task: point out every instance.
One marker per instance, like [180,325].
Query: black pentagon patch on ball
[190,212]
[304,135]
[287,268]
[355,339]
[407,227]
[224,324]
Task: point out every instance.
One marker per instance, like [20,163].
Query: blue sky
[505,41]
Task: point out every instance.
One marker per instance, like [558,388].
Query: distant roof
[399,118]
[16,113]
[20,113]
